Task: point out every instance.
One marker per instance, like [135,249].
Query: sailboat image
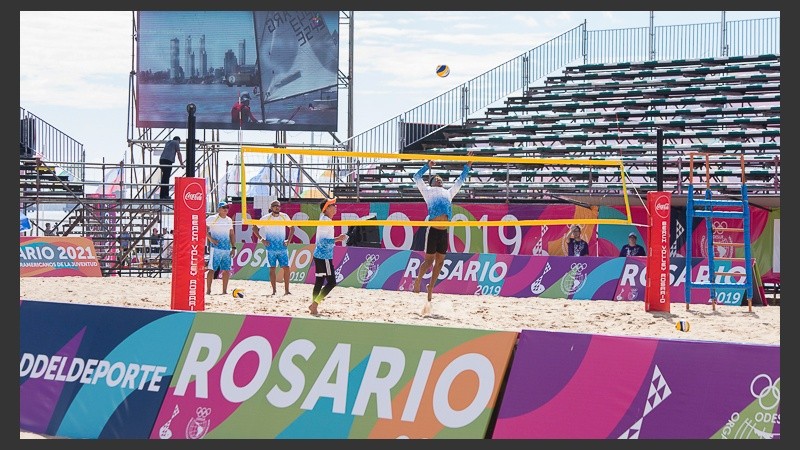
[298,54]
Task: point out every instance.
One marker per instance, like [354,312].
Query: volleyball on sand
[682,325]
[443,70]
[238,293]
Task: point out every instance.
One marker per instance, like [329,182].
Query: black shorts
[323,267]
[436,240]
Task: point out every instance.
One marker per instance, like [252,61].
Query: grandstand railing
[743,37]
[37,138]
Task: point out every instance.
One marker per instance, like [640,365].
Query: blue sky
[75,65]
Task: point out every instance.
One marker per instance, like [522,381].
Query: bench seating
[658,92]
[616,148]
[710,101]
[641,136]
[678,77]
[727,107]
[713,61]
[681,124]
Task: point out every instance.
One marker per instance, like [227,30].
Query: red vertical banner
[188,269]
[656,296]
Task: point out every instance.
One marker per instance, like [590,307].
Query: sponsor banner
[250,263]
[513,239]
[528,277]
[57,256]
[582,278]
[560,386]
[541,240]
[657,290]
[361,266]
[632,281]
[259,377]
[98,372]
[188,265]
[579,278]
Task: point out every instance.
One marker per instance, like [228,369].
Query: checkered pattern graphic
[659,390]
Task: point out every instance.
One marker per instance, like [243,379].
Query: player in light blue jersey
[323,256]
[276,241]
[220,236]
[440,209]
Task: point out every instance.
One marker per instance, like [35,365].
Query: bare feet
[224,293]
[427,308]
[287,293]
[416,286]
[313,308]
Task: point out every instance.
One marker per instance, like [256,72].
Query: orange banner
[656,296]
[188,268]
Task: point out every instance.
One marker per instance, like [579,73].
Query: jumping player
[440,209]
[323,256]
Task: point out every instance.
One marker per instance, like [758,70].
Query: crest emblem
[368,269]
[574,280]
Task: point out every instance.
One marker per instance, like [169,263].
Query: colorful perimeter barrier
[579,278]
[103,372]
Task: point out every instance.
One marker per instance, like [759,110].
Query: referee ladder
[709,209]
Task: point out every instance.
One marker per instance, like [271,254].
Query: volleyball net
[307,161]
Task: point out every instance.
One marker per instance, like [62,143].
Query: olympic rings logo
[770,390]
[577,267]
[202,412]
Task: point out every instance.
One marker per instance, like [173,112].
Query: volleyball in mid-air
[238,293]
[443,70]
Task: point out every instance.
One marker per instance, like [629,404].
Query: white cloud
[71,58]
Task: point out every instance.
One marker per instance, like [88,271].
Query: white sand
[621,318]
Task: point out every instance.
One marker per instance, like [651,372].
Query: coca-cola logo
[662,207]
[193,196]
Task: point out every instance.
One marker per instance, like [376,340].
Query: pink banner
[57,256]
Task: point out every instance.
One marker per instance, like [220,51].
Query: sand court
[732,324]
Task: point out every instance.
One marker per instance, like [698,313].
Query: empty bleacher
[726,107]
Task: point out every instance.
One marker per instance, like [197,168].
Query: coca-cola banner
[657,293]
[189,244]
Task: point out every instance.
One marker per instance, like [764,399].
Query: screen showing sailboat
[298,60]
[261,70]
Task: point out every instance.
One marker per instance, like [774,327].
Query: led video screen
[282,66]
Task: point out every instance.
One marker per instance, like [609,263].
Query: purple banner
[578,278]
[583,386]
[632,281]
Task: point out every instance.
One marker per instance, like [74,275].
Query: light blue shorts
[278,257]
[219,259]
